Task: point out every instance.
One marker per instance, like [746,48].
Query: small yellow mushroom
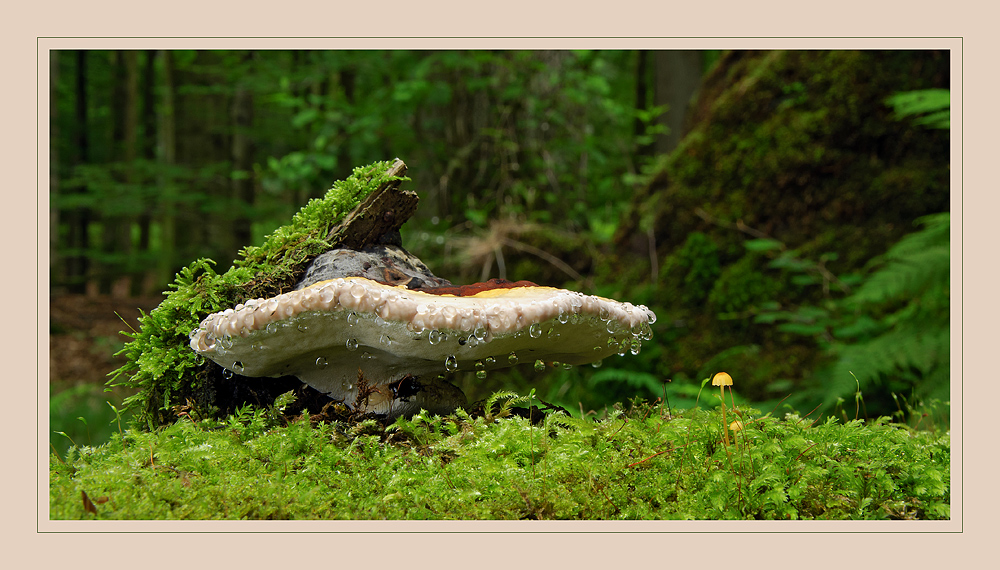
[722,379]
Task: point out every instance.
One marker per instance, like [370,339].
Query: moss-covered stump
[172,379]
[795,146]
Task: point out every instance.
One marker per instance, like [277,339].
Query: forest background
[764,204]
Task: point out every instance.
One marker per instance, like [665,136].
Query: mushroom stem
[725,427]
[722,379]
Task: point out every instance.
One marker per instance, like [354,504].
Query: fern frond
[915,263]
[905,276]
[562,420]
[509,399]
[900,352]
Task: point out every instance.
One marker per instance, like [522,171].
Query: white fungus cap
[325,333]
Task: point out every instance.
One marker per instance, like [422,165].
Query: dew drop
[379,321]
[563,316]
[481,374]
[451,363]
[271,328]
[605,314]
[566,366]
[480,333]
[302,327]
[623,347]
[227,373]
[199,360]
[539,365]
[553,333]
[512,358]
[352,319]
[436,336]
[326,295]
[384,340]
[358,291]
[645,332]
[352,344]
[535,330]
[238,367]
[367,356]
[490,361]
[321,362]
[597,364]
[636,346]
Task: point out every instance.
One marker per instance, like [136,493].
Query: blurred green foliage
[538,136]
[528,166]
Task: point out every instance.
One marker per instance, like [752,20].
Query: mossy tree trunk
[798,146]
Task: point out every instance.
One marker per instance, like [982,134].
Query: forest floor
[85,332]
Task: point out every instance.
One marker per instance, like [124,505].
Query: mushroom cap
[722,379]
[325,333]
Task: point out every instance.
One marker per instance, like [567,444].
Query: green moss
[741,286]
[160,362]
[644,463]
[696,263]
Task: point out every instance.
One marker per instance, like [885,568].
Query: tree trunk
[202,125]
[55,266]
[797,146]
[147,283]
[168,156]
[678,75]
[642,100]
[242,157]
[117,276]
[79,271]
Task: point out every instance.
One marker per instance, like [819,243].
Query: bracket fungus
[370,326]
[401,339]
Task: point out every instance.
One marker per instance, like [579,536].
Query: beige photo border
[526,25]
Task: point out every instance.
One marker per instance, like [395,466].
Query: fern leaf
[917,261]
[905,276]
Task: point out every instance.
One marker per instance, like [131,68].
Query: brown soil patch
[85,332]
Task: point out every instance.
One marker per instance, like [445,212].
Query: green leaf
[933,104]
[760,245]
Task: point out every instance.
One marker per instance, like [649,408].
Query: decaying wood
[381,213]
